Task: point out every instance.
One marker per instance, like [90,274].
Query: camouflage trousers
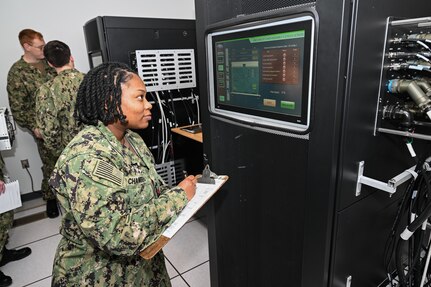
[48,163]
[6,220]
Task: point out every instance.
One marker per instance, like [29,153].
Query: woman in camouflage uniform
[115,203]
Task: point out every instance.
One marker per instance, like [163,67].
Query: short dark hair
[28,35]
[99,95]
[57,53]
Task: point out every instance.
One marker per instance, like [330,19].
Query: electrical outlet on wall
[24,163]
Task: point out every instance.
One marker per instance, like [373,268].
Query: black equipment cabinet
[114,38]
[289,216]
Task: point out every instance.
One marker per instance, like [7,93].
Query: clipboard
[11,198]
[203,193]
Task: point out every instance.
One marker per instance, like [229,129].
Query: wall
[61,20]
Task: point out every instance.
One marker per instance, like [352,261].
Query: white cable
[422,57]
[167,129]
[166,148]
[418,67]
[185,106]
[164,125]
[411,149]
[412,217]
[424,225]
[193,98]
[197,106]
[166,139]
[413,173]
[423,44]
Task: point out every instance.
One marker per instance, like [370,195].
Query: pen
[185,174]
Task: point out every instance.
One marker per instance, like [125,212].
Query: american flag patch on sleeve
[109,172]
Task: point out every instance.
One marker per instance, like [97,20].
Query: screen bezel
[259,118]
[96,58]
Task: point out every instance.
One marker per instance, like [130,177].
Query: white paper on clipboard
[203,193]
[11,198]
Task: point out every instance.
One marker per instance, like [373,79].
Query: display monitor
[95,59]
[262,74]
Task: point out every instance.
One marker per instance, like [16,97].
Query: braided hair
[99,95]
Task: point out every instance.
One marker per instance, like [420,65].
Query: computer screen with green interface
[261,74]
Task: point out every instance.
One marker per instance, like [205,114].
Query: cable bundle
[408,245]
[167,115]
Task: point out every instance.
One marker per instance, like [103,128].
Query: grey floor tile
[36,266]
[171,271]
[178,282]
[24,234]
[28,212]
[199,276]
[29,204]
[189,247]
[41,283]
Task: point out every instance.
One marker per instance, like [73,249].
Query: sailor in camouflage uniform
[6,221]
[24,78]
[115,203]
[55,103]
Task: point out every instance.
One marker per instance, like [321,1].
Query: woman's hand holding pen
[189,185]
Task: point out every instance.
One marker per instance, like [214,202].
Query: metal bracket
[390,186]
[207,176]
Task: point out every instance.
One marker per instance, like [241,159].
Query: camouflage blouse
[115,206]
[55,104]
[23,80]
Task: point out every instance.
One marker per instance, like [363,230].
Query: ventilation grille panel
[171,172]
[166,69]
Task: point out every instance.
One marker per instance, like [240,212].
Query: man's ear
[26,46]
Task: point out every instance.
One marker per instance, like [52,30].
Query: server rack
[289,214]
[114,38]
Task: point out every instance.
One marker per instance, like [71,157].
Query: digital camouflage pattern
[23,80]
[48,163]
[55,104]
[6,221]
[115,206]
[6,218]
